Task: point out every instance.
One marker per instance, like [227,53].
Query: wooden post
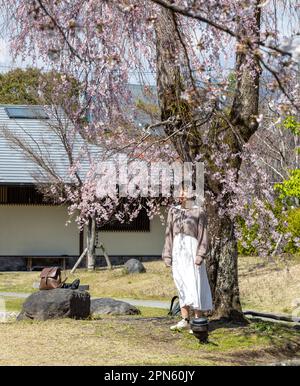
[78,261]
[64,263]
[108,262]
[29,263]
[91,238]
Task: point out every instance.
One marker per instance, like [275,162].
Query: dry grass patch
[270,286]
[265,285]
[136,341]
[18,281]
[156,283]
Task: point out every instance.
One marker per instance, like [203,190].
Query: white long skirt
[191,280]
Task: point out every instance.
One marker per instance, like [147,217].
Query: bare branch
[188,12]
[61,31]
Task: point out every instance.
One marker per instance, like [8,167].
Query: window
[140,224]
[30,112]
[3,194]
[26,195]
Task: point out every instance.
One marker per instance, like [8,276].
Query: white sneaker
[191,331]
[182,325]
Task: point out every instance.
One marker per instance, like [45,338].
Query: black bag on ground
[174,307]
[74,285]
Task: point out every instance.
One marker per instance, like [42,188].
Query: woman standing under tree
[185,249]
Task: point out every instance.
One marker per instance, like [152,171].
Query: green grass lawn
[13,304]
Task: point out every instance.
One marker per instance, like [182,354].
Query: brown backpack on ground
[51,278]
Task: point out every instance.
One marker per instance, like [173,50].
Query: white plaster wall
[34,230]
[26,230]
[134,243]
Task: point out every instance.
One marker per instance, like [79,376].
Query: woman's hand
[168,262]
[199,261]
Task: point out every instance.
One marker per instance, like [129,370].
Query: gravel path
[147,303]
[134,302]
[19,295]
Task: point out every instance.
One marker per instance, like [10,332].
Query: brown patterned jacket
[189,221]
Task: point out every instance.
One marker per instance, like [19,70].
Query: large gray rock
[55,304]
[134,266]
[110,306]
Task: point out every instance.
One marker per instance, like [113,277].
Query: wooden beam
[78,261]
[107,259]
[285,318]
[81,241]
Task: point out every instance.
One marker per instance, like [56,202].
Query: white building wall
[34,230]
[134,243]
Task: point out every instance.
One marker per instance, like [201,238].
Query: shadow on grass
[215,324]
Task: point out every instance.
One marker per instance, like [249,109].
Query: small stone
[134,266]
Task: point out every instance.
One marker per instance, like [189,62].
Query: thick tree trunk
[222,263]
[91,239]
[222,266]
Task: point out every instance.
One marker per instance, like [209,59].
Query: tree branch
[72,49]
[189,13]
